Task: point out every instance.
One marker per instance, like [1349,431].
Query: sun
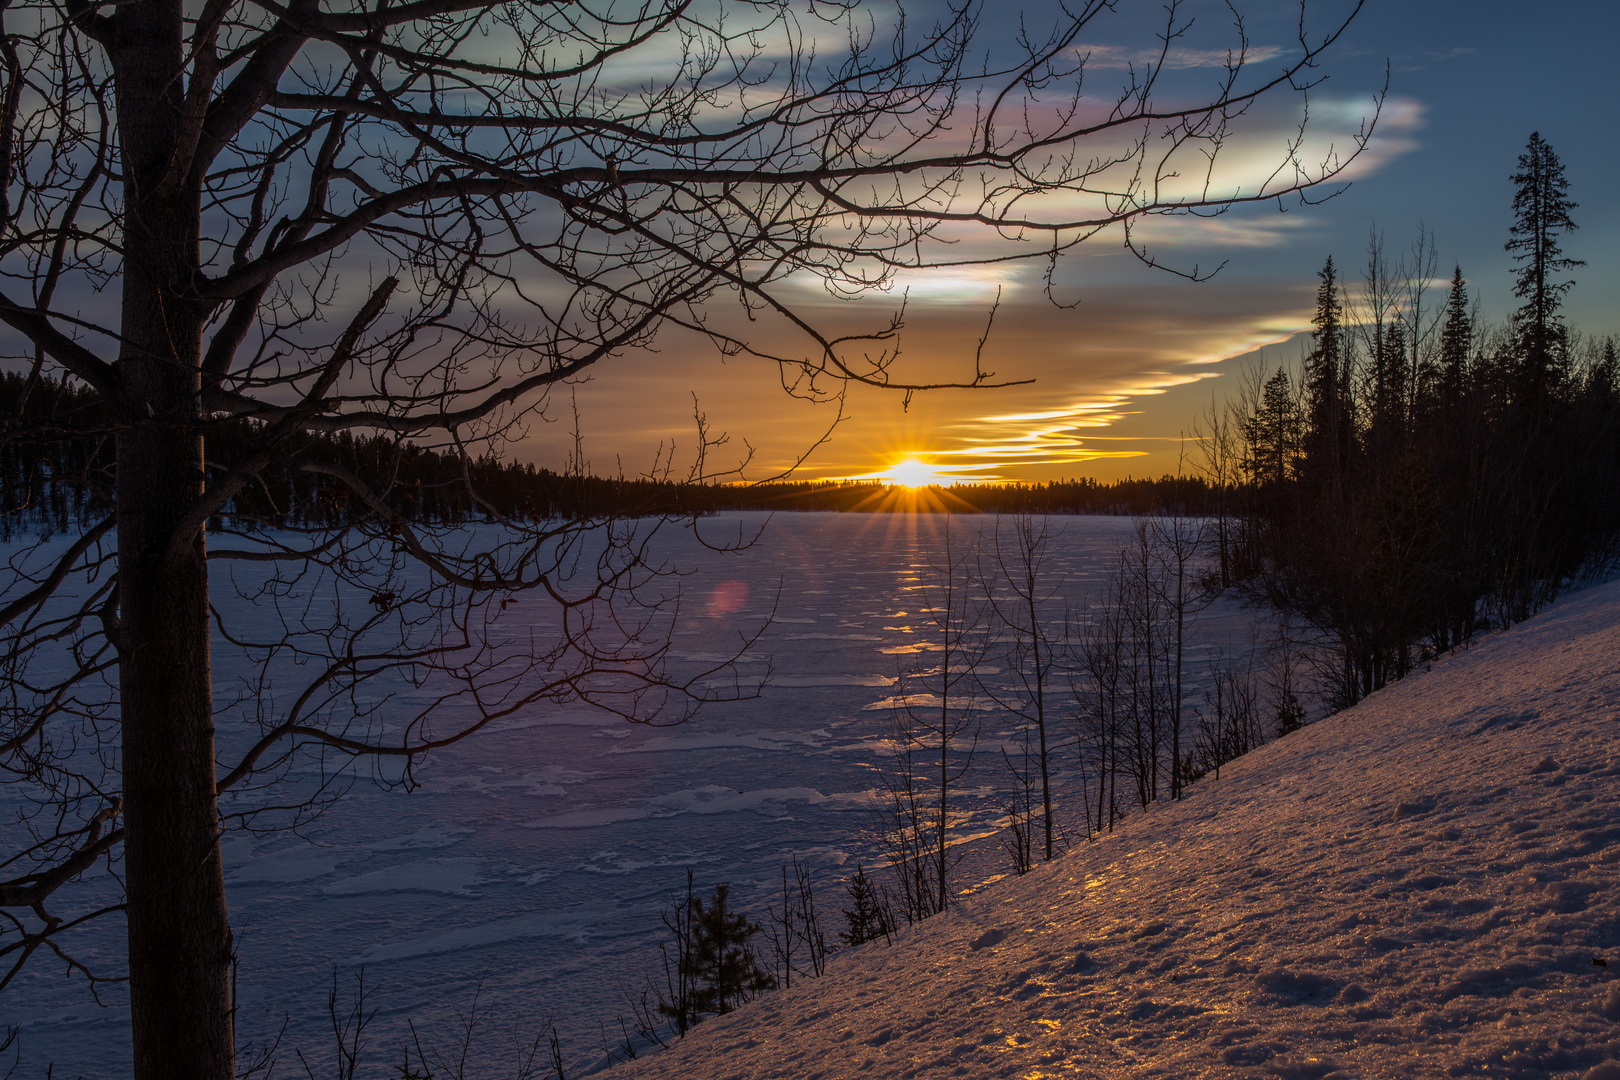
[913,473]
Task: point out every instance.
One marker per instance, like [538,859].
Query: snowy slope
[1417,887]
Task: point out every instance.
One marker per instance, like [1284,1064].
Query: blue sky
[1486,75]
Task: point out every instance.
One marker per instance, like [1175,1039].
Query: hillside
[1422,886]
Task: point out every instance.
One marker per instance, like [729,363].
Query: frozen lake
[535,858]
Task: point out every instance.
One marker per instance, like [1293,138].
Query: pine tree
[726,972]
[1273,433]
[1456,337]
[1326,382]
[714,968]
[1290,714]
[1541,210]
[1389,387]
[869,919]
[1603,381]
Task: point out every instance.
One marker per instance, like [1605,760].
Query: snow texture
[532,864]
[1422,886]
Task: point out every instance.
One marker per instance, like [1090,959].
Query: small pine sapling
[1290,715]
[726,969]
[870,918]
[713,967]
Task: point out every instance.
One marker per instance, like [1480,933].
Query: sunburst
[913,473]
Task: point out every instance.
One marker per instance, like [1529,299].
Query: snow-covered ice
[532,864]
[1427,885]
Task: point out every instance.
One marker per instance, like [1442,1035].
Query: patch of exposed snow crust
[1427,885]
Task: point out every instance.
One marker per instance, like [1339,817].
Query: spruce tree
[1389,387]
[1273,433]
[725,970]
[869,919]
[1456,337]
[1541,209]
[1603,381]
[1326,382]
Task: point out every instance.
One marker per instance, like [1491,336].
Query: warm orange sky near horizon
[1116,381]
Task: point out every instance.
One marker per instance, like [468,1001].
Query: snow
[1422,886]
[575,828]
[454,876]
[533,862]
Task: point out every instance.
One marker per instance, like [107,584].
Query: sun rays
[913,472]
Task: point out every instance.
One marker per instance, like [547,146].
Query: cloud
[1133,338]
[1177,59]
[944,284]
[1224,232]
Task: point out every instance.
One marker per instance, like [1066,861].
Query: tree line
[1423,475]
[57,472]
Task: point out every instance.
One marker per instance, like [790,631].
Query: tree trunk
[179,937]
[179,934]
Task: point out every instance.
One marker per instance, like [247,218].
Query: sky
[1115,376]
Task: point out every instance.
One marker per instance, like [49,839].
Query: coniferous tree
[1541,208]
[714,968]
[725,968]
[1273,434]
[1326,377]
[1389,388]
[1603,381]
[1477,478]
[870,918]
[1456,338]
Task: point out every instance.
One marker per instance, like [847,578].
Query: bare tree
[1127,680]
[1177,543]
[1139,592]
[936,730]
[1418,271]
[417,220]
[1229,723]
[904,822]
[1218,434]
[1019,588]
[1102,699]
[796,929]
[1018,838]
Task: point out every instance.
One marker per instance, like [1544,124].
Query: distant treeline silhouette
[56,467]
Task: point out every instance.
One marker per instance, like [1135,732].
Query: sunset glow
[914,473]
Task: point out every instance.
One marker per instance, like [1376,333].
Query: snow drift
[1422,886]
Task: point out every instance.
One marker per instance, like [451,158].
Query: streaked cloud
[1097,369]
[1177,59]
